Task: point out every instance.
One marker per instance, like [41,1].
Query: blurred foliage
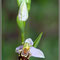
[43,17]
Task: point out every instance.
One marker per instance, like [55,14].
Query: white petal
[29,40]
[36,52]
[23,12]
[18,49]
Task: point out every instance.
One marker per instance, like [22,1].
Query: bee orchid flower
[27,50]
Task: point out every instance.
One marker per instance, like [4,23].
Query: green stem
[22,37]
[23,33]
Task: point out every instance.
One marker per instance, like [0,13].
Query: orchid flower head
[26,49]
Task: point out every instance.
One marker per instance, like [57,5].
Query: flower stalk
[23,37]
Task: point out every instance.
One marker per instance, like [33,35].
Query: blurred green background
[43,17]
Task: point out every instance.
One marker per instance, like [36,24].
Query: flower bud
[23,12]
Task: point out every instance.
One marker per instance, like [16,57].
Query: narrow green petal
[36,42]
[19,2]
[28,4]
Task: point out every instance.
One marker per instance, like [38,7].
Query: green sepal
[36,42]
[21,24]
[28,2]
[19,2]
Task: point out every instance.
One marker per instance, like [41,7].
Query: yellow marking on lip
[20,50]
[22,55]
[26,45]
[20,58]
[25,56]
[19,55]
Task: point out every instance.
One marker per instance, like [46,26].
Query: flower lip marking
[25,50]
[28,50]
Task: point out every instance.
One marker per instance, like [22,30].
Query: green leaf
[36,42]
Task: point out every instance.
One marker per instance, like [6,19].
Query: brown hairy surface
[23,57]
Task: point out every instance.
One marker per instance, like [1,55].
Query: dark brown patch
[24,58]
